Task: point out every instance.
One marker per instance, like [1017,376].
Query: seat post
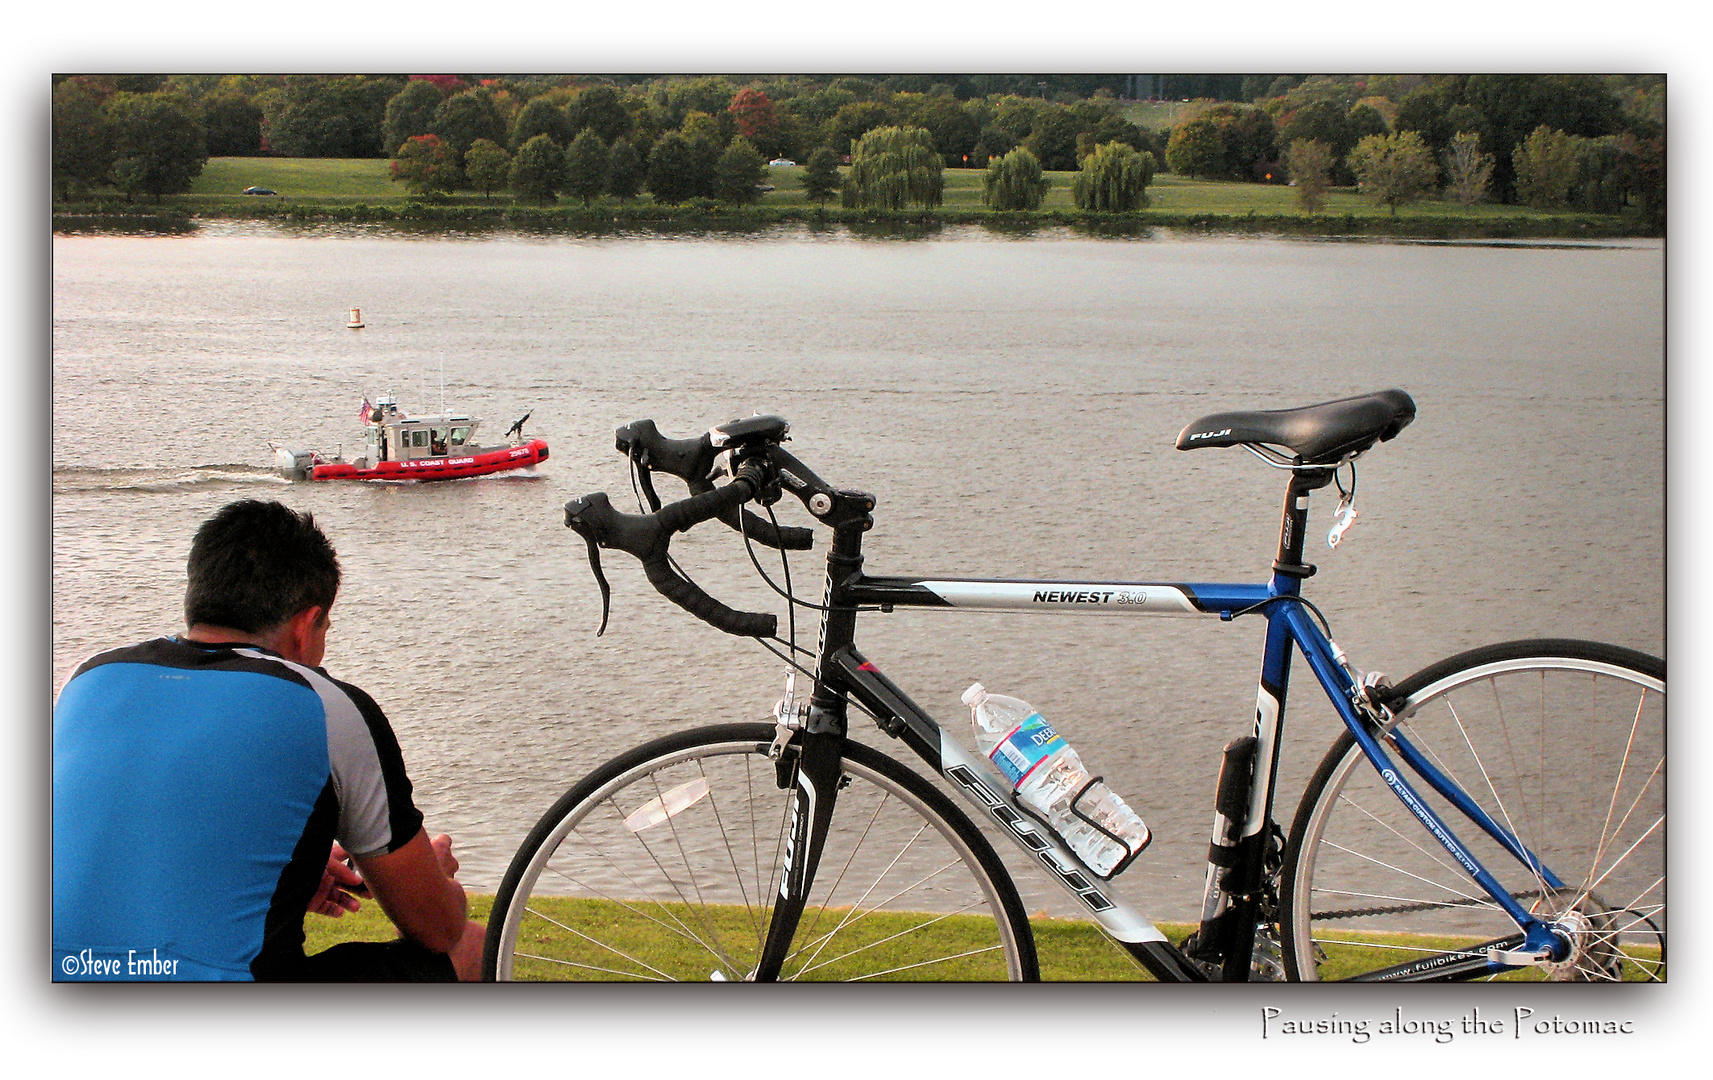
[1293,528]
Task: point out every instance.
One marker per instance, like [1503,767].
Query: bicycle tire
[1563,744]
[907,886]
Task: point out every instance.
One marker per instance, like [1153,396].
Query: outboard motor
[294,464]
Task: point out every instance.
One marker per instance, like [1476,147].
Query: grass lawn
[1070,950]
[305,183]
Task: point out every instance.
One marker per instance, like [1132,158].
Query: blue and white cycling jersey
[197,791]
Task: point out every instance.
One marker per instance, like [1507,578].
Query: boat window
[460,436]
[419,437]
[437,445]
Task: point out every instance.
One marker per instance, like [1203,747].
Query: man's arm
[417,888]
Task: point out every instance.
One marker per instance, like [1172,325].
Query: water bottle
[1050,782]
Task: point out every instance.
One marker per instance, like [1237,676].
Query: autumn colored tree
[1196,148]
[424,164]
[1395,169]
[753,112]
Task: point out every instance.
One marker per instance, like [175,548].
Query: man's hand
[339,882]
[442,846]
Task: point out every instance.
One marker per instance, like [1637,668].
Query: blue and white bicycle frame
[1238,890]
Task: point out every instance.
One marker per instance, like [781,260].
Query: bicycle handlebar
[692,460]
[648,536]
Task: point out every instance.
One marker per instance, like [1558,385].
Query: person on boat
[208,787]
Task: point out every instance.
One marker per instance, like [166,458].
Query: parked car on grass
[260,191]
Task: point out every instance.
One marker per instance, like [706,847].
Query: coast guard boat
[403,447]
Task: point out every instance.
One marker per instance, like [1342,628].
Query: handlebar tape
[648,536]
[691,460]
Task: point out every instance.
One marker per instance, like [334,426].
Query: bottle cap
[975,695]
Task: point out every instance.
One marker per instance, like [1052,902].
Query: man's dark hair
[255,564]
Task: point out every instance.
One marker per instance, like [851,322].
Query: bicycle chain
[1403,909]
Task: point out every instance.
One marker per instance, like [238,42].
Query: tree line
[1589,142]
[687,137]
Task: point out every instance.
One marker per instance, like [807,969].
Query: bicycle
[1498,814]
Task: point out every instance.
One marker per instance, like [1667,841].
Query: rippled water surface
[1011,402]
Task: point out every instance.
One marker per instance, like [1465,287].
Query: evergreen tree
[821,175]
[586,167]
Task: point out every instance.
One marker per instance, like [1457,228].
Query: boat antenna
[443,386]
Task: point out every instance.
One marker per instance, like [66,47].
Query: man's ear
[299,627]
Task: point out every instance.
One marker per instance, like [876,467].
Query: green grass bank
[320,190]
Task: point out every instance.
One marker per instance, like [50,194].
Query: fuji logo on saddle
[1209,434]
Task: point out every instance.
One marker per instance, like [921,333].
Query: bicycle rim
[664,866]
[1562,745]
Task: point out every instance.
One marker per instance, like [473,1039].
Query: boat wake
[150,480]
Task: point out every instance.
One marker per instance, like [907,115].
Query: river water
[1011,400]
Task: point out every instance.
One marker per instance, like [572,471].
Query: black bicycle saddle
[1318,434]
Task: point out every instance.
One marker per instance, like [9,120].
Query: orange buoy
[356,320]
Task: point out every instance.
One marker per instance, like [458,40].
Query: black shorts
[374,961]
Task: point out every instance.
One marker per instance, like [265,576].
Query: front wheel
[664,864]
[1562,745]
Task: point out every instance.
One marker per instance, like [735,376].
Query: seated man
[208,786]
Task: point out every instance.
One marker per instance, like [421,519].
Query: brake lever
[645,480]
[575,525]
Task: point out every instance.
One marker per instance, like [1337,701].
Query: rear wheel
[1562,744]
[664,865]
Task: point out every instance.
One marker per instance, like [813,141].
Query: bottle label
[1033,741]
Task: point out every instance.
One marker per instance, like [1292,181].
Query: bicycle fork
[810,764]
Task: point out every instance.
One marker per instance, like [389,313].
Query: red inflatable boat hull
[446,468]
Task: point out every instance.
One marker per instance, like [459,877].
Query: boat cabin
[394,436]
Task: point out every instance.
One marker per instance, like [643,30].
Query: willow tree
[892,168]
[1114,179]
[1014,182]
